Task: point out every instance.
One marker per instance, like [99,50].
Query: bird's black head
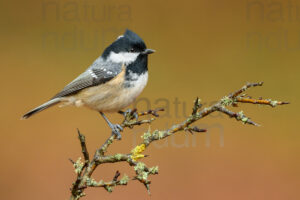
[126,48]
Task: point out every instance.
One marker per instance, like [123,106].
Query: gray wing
[98,73]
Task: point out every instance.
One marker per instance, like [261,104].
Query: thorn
[78,131]
[197,106]
[196,129]
[154,112]
[147,185]
[253,123]
[116,175]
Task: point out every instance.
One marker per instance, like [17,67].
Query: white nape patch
[123,57]
[92,74]
[120,37]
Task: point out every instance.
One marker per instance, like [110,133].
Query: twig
[84,176]
[83,147]
[261,101]
[85,170]
[152,112]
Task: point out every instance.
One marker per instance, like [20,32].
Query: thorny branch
[84,170]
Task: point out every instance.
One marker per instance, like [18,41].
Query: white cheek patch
[123,57]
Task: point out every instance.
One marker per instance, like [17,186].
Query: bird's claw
[116,128]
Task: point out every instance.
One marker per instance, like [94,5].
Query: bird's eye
[132,50]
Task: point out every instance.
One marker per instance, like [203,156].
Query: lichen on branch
[84,169]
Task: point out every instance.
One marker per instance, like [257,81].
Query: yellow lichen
[136,152]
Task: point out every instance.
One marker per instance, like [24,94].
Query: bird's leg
[116,128]
[132,113]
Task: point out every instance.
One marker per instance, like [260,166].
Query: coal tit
[111,83]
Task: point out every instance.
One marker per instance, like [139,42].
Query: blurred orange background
[203,48]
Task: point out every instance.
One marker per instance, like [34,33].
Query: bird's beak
[148,51]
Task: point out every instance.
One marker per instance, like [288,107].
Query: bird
[111,83]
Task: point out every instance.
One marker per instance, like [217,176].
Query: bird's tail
[41,107]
